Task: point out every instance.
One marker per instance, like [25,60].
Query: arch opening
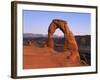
[58,39]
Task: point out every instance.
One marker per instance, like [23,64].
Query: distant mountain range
[30,35]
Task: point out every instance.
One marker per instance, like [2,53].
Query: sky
[37,22]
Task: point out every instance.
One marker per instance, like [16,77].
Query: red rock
[69,42]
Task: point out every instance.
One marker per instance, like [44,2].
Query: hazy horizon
[58,35]
[37,22]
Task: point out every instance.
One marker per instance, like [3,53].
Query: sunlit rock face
[70,44]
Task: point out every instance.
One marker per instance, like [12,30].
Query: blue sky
[38,22]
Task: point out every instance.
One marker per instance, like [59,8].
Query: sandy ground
[35,57]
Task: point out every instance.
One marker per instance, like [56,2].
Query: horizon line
[60,35]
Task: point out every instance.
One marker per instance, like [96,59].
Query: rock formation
[47,57]
[70,44]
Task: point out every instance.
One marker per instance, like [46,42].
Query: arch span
[69,39]
[69,42]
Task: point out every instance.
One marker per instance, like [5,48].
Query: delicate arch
[69,42]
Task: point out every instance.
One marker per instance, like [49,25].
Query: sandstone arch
[69,42]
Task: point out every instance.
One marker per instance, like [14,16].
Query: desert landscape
[36,56]
[49,51]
